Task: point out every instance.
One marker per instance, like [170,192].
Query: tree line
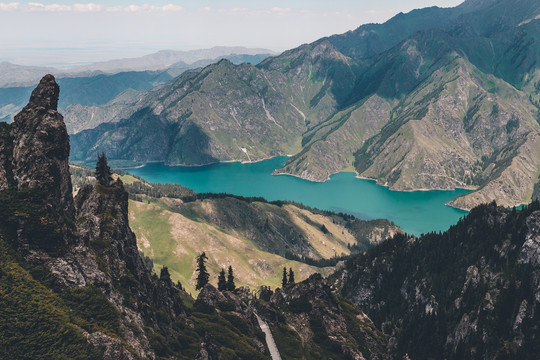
[226,282]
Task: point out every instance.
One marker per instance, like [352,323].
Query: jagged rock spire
[41,149]
[46,93]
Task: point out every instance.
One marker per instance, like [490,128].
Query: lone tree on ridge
[202,278]
[103,171]
[221,282]
[284,279]
[230,280]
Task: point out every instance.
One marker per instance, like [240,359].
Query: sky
[66,32]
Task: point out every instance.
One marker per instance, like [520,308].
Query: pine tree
[221,282]
[202,278]
[230,280]
[291,276]
[103,171]
[164,274]
[284,279]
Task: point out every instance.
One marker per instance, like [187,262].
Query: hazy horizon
[64,33]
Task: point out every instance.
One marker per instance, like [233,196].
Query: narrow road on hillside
[274,352]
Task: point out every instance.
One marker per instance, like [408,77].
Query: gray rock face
[41,149]
[313,300]
[530,251]
[6,151]
[114,350]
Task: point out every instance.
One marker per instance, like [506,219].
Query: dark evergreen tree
[103,171]
[284,279]
[291,276]
[164,274]
[221,282]
[230,280]
[202,278]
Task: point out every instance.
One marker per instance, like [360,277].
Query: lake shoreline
[246,162]
[414,211]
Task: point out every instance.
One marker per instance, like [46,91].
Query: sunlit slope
[253,238]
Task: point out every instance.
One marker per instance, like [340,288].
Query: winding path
[274,352]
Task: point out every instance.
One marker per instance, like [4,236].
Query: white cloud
[9,6]
[146,7]
[33,6]
[114,8]
[172,7]
[87,7]
[278,9]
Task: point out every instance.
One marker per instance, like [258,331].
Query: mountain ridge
[389,116]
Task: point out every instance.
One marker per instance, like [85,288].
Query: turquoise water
[416,212]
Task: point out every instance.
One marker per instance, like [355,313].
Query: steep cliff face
[6,151]
[117,268]
[471,292]
[41,149]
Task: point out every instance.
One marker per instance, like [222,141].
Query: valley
[256,237]
[342,193]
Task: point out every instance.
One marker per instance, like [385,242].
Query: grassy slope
[34,321]
[174,240]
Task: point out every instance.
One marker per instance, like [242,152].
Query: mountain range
[472,292]
[99,91]
[438,98]
[74,284]
[13,75]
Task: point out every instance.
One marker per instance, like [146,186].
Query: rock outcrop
[309,315]
[315,311]
[103,225]
[41,150]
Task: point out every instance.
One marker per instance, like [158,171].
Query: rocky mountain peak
[40,152]
[46,93]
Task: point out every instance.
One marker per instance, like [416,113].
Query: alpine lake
[416,212]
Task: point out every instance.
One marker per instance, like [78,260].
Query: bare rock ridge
[41,149]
